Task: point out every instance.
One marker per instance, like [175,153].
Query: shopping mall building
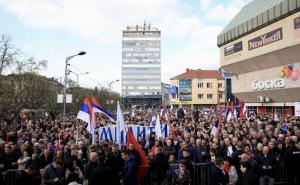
[261,47]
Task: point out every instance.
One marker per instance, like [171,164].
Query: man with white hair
[267,163]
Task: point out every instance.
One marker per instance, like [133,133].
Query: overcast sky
[55,29]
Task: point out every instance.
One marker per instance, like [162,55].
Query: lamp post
[77,75]
[109,87]
[66,72]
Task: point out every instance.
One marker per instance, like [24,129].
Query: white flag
[157,127]
[120,123]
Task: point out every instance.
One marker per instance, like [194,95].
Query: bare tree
[31,65]
[8,54]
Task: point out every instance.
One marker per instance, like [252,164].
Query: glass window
[200,84]
[220,85]
[200,96]
[220,96]
[209,85]
[209,96]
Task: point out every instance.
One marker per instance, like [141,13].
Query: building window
[220,96]
[200,85]
[209,96]
[209,85]
[220,85]
[200,96]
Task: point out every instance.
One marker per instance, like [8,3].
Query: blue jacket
[129,171]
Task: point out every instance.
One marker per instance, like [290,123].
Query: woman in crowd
[230,170]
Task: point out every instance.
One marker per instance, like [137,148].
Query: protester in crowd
[115,161]
[54,173]
[181,175]
[217,177]
[73,179]
[45,158]
[102,174]
[266,161]
[92,164]
[191,140]
[23,160]
[229,169]
[158,167]
[248,177]
[130,167]
[71,167]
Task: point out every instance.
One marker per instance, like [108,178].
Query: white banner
[297,108]
[110,132]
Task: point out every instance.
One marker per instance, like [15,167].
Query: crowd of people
[244,151]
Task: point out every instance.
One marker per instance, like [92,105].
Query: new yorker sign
[265,39]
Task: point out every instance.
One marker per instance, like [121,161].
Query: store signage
[297,23]
[297,26]
[233,48]
[268,84]
[265,39]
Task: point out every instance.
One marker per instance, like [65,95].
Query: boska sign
[268,84]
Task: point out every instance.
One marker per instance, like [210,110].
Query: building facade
[260,46]
[198,89]
[141,65]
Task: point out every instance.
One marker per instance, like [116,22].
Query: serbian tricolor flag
[97,108]
[171,128]
[219,108]
[86,113]
[228,112]
[211,111]
[241,111]
[144,160]
[57,145]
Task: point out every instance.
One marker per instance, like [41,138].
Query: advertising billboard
[185,90]
[265,39]
[233,48]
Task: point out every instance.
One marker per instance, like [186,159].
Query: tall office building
[141,65]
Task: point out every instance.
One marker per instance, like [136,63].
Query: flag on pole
[235,112]
[215,130]
[97,108]
[143,159]
[158,128]
[276,118]
[219,108]
[211,111]
[120,124]
[57,145]
[242,109]
[85,113]
[171,128]
[228,113]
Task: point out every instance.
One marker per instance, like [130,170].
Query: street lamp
[66,71]
[77,75]
[109,87]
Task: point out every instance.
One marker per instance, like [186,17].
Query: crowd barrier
[200,175]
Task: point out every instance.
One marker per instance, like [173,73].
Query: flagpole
[77,128]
